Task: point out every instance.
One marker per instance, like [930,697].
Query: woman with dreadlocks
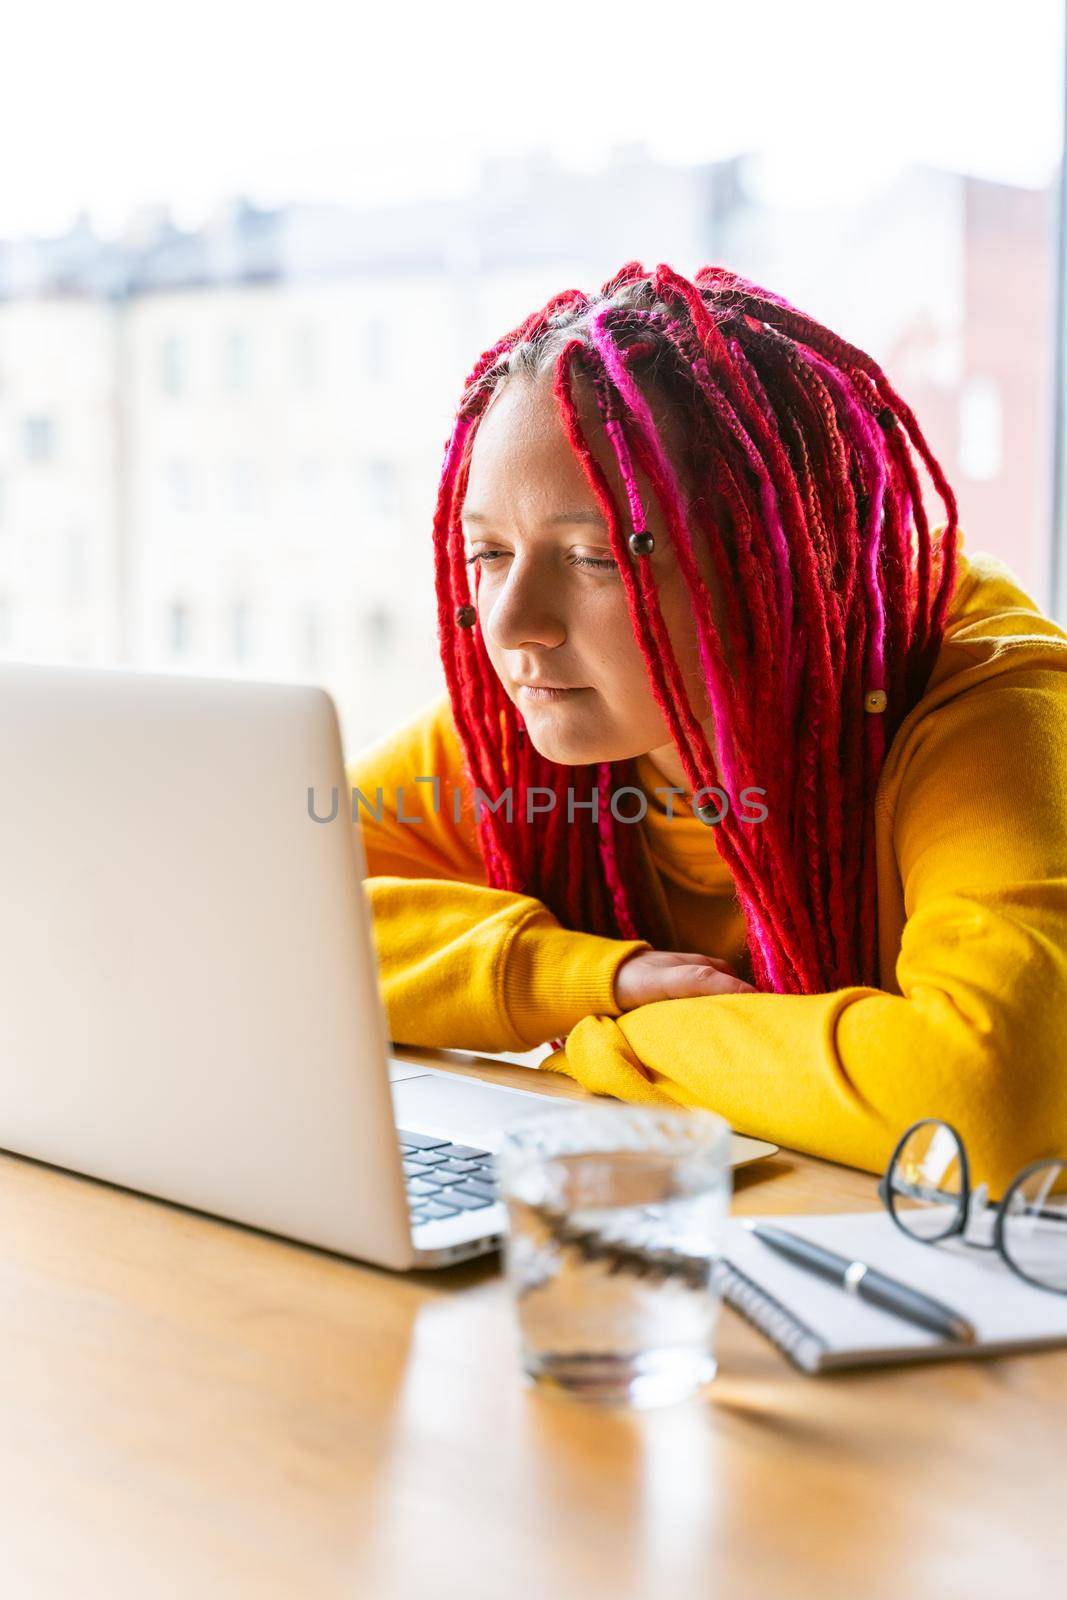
[749,787]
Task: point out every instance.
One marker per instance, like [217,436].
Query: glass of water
[615,1219]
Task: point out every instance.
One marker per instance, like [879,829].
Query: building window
[381,487]
[310,641]
[179,627]
[172,373]
[180,486]
[311,479]
[242,487]
[77,568]
[306,356]
[375,350]
[379,627]
[239,625]
[981,428]
[238,360]
[39,436]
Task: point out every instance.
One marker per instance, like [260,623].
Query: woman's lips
[538,695]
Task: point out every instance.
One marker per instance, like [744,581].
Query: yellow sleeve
[462,965]
[976,1035]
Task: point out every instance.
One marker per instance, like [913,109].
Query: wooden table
[192,1409]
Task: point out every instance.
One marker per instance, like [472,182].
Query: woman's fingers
[695,957]
[652,975]
[692,980]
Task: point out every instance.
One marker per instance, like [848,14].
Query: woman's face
[546,611]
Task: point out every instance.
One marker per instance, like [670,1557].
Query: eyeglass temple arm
[918,1191]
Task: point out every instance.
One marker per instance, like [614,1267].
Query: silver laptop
[189,1000]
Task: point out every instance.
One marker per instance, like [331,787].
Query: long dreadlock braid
[805,497]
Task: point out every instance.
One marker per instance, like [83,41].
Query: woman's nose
[523,610]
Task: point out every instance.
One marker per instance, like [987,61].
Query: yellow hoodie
[970,1020]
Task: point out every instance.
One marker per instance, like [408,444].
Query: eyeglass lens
[925,1183]
[1034,1225]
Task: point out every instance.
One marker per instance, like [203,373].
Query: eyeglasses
[927,1192]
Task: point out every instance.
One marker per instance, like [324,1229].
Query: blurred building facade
[219,450]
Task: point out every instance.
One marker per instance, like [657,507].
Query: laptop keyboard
[444,1179]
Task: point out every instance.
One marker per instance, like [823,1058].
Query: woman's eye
[484,556]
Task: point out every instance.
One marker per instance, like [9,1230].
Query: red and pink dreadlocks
[806,495]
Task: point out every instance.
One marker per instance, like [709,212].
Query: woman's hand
[673,975]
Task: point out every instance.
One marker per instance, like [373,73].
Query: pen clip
[855,1273]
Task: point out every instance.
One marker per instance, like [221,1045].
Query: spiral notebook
[821,1327]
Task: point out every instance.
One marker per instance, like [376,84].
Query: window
[306,356]
[242,487]
[172,372]
[39,437]
[310,641]
[180,486]
[237,361]
[379,626]
[208,389]
[981,428]
[381,487]
[375,350]
[239,622]
[179,627]
[311,479]
[77,567]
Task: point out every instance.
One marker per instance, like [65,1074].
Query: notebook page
[976,1283]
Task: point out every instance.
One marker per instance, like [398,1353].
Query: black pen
[857,1278]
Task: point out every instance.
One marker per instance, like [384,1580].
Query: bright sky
[114,104]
